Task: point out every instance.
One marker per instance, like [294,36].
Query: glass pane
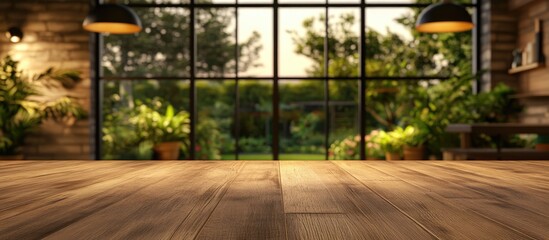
[161,49]
[344,1]
[255,1]
[302,120]
[214,1]
[130,109]
[152,1]
[391,103]
[255,33]
[301,1]
[396,49]
[414,1]
[255,115]
[215,40]
[344,35]
[215,125]
[301,42]
[344,128]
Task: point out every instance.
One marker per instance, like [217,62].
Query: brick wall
[53,37]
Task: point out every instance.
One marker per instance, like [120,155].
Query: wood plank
[523,220]
[367,215]
[366,174]
[495,188]
[426,181]
[252,207]
[518,175]
[526,169]
[363,214]
[433,212]
[68,207]
[33,168]
[177,206]
[328,226]
[21,193]
[304,190]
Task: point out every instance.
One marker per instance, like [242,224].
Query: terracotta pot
[11,157]
[392,156]
[542,147]
[414,153]
[166,151]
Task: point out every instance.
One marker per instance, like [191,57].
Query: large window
[270,79]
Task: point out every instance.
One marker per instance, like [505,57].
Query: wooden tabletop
[274,200]
[499,128]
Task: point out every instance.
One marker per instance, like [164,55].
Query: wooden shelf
[540,94]
[525,68]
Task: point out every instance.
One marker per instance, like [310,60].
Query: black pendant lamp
[14,34]
[444,17]
[112,18]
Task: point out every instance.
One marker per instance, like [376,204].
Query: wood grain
[367,215]
[46,183]
[252,204]
[274,200]
[512,193]
[304,191]
[69,207]
[158,210]
[528,222]
[431,211]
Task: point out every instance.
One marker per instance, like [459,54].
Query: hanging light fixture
[112,18]
[14,34]
[444,17]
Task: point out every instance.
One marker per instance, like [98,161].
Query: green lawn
[267,156]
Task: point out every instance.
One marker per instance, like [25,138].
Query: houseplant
[542,143]
[390,143]
[166,131]
[24,104]
[414,138]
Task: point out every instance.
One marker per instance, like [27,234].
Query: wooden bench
[467,152]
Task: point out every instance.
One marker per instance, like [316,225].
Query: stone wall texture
[53,37]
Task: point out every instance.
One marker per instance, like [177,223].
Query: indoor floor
[274,200]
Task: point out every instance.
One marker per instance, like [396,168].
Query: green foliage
[254,145]
[414,136]
[452,101]
[348,148]
[162,48]
[304,128]
[130,133]
[345,149]
[391,142]
[208,141]
[157,127]
[23,104]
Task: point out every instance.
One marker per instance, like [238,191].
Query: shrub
[349,147]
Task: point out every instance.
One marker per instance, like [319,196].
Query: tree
[162,48]
[388,55]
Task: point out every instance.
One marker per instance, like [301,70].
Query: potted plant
[23,104]
[390,143]
[542,143]
[414,139]
[166,131]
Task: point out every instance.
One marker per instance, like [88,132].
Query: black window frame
[97,76]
